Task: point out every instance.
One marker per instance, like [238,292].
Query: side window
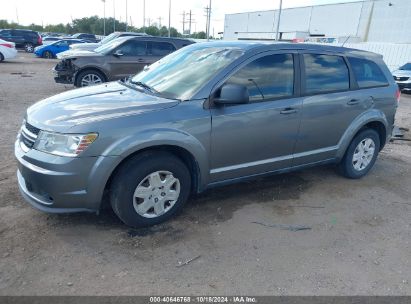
[367,73]
[61,43]
[133,48]
[267,77]
[161,48]
[5,33]
[325,73]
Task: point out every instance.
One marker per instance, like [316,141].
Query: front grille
[28,135]
[401,78]
[32,129]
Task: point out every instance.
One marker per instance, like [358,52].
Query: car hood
[69,54]
[80,46]
[402,73]
[90,104]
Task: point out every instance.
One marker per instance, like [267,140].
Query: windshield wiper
[144,86]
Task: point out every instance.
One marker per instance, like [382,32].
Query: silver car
[402,77]
[207,115]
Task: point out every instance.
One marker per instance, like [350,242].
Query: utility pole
[104,17]
[169,18]
[277,34]
[114,15]
[206,9]
[184,21]
[159,21]
[189,24]
[209,21]
[126,16]
[144,15]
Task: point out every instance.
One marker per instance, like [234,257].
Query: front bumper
[57,184]
[63,76]
[64,73]
[404,85]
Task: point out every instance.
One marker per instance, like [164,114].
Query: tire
[1,57]
[47,55]
[355,169]
[90,75]
[139,175]
[29,47]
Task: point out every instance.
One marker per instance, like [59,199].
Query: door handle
[353,102]
[288,111]
[140,60]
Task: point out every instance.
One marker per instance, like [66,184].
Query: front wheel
[47,55]
[360,155]
[89,78]
[29,47]
[1,57]
[150,188]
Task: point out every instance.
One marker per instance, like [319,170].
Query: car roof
[250,45]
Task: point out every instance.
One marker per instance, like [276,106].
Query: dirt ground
[358,244]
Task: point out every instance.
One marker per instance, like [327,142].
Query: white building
[362,21]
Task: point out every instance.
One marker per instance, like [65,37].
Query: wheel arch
[375,120]
[183,154]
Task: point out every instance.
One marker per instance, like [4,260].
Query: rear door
[11,35]
[127,59]
[158,49]
[330,104]
[260,136]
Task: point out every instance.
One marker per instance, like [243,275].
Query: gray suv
[207,115]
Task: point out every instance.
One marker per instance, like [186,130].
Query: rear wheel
[47,55]
[150,188]
[89,77]
[1,57]
[361,154]
[29,47]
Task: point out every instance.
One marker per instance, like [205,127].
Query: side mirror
[233,94]
[118,53]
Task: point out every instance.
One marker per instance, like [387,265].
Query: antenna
[349,36]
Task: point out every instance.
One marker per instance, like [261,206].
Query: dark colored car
[116,60]
[25,39]
[209,114]
[88,37]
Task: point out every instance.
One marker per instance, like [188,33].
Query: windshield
[108,38]
[183,73]
[406,67]
[107,47]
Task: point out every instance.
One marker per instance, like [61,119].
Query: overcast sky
[56,11]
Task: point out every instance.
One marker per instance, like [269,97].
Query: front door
[127,59]
[259,136]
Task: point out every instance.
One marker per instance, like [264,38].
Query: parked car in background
[7,50]
[108,39]
[25,39]
[116,60]
[402,77]
[88,37]
[51,50]
[49,40]
[207,115]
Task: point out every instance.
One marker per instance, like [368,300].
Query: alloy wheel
[90,79]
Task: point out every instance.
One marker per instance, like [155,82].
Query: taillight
[398,95]
[7,45]
[39,40]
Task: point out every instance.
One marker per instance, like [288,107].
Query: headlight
[69,145]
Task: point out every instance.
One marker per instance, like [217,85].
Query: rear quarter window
[367,73]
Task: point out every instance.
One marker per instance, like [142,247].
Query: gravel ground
[358,244]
